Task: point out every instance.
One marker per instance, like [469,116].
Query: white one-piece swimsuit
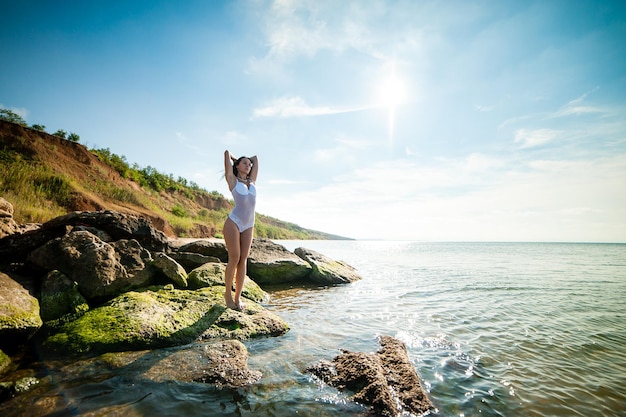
[245,201]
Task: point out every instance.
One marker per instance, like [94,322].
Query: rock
[106,224]
[14,248]
[60,298]
[159,318]
[117,225]
[19,312]
[6,209]
[191,261]
[386,381]
[223,363]
[135,260]
[255,321]
[87,260]
[212,274]
[272,264]
[326,270]
[206,248]
[171,269]
[5,362]
[7,224]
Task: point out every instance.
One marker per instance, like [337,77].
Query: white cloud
[285,107]
[530,138]
[20,111]
[556,200]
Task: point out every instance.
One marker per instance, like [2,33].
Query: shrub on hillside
[9,116]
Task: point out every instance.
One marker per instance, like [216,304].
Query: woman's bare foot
[230,303]
[241,306]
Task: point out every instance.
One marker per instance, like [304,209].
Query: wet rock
[272,264]
[171,269]
[386,381]
[224,363]
[253,322]
[326,270]
[212,274]
[159,318]
[60,298]
[19,312]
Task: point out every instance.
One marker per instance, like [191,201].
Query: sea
[493,329]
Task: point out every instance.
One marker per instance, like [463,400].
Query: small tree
[60,133]
[40,128]
[73,137]
[9,116]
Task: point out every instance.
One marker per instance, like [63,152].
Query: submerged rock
[386,381]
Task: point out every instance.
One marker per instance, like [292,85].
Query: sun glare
[392,92]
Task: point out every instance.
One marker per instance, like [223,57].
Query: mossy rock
[19,312]
[60,297]
[5,361]
[212,274]
[155,318]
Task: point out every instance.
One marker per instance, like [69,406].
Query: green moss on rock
[212,274]
[157,318]
[5,361]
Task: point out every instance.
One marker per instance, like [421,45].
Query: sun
[392,92]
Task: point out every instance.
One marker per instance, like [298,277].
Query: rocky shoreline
[105,287]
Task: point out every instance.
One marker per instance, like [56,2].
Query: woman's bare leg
[245,242]
[233,246]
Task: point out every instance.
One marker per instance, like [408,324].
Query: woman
[239,226]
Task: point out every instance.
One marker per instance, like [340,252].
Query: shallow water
[515,329]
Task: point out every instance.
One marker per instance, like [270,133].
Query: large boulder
[386,381]
[19,312]
[109,226]
[160,318]
[272,264]
[117,225]
[212,274]
[326,270]
[87,260]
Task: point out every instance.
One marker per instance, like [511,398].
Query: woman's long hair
[235,170]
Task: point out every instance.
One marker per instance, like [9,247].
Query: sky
[447,120]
